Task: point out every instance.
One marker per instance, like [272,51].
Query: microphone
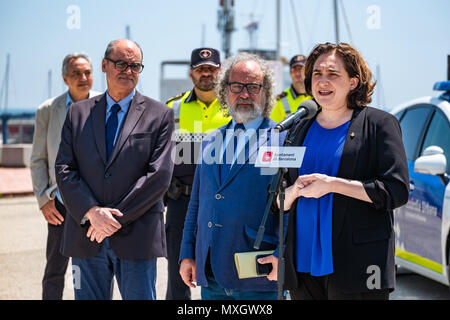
[306,110]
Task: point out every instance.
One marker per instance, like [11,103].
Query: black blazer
[363,233]
[133,180]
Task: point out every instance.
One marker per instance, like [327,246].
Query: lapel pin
[352,135]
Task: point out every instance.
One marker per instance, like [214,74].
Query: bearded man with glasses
[229,195]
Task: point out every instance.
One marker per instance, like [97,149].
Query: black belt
[186,189]
[177,188]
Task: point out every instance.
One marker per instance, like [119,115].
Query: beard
[205,83]
[245,114]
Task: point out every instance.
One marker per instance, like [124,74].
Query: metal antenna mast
[225,24]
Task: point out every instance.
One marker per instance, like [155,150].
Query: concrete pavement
[15,181]
[23,234]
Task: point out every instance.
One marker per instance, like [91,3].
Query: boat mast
[336,20]
[49,83]
[278,11]
[5,88]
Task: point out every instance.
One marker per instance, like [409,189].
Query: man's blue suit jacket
[224,216]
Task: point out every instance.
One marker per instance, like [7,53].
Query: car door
[430,189]
[419,222]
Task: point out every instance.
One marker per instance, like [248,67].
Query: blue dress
[314,216]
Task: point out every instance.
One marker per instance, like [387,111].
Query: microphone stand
[278,186]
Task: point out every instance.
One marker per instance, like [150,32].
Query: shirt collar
[192,97]
[295,94]
[124,103]
[253,124]
[69,100]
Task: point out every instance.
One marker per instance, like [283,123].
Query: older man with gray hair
[229,196]
[50,115]
[113,168]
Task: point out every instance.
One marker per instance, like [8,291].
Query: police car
[422,225]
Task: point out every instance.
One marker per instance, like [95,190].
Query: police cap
[296,60]
[202,56]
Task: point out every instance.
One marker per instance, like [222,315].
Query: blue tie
[111,129]
[226,165]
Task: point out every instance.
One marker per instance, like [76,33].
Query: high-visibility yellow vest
[286,103]
[193,121]
[193,116]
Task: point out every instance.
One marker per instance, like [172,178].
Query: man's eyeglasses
[252,88]
[122,66]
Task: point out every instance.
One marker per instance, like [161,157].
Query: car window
[398,115]
[412,125]
[438,135]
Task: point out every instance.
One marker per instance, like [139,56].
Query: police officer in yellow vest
[196,112]
[289,100]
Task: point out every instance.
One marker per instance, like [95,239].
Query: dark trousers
[326,288]
[93,277]
[175,215]
[56,266]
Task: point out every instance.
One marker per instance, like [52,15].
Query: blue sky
[408,40]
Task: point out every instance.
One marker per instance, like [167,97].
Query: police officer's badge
[205,54]
[281,95]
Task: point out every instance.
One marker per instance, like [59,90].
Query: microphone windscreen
[311,106]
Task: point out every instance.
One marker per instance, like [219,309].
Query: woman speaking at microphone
[340,238]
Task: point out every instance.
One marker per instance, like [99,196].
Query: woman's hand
[291,194]
[309,186]
[313,185]
[317,185]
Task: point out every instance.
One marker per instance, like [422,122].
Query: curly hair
[269,82]
[355,65]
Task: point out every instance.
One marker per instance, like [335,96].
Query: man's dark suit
[133,180]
